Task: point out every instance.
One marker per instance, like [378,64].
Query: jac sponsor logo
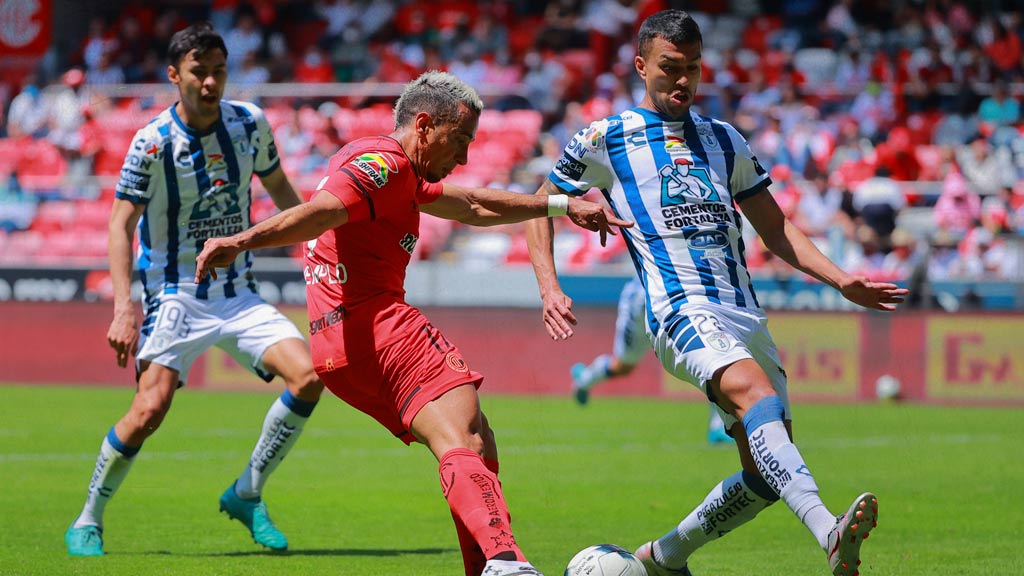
[975,357]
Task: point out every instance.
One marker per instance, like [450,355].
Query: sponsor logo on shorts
[329,318]
[455,362]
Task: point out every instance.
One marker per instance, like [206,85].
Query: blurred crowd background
[892,129]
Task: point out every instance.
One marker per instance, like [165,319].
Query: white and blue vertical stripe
[675,271]
[195,186]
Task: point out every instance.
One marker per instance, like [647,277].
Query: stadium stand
[879,110]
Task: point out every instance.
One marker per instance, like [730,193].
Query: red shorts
[395,382]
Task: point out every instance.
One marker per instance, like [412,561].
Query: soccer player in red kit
[369,346]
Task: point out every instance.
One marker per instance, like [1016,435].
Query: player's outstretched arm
[488,207]
[787,242]
[557,307]
[297,224]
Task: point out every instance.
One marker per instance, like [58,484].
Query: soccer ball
[605,560]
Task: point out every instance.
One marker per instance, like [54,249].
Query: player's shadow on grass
[311,552]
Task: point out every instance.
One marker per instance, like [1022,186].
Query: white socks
[112,465]
[281,429]
[783,467]
[595,372]
[732,503]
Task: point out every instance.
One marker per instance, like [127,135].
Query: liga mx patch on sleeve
[377,165]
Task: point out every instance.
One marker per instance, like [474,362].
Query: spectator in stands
[879,200]
[17,207]
[98,42]
[1005,48]
[902,259]
[988,169]
[544,81]
[943,260]
[958,207]
[840,27]
[818,208]
[132,46]
[244,39]
[67,103]
[29,114]
[853,72]
[315,66]
[874,109]
[1001,112]
[107,70]
[251,71]
[561,29]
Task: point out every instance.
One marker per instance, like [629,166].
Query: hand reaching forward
[595,218]
[874,295]
[217,253]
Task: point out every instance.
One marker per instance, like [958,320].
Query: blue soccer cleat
[84,541]
[719,436]
[253,514]
[580,392]
[850,531]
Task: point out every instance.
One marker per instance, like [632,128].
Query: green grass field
[354,501]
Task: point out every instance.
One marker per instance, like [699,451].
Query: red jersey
[355,274]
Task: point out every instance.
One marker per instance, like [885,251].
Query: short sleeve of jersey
[366,185]
[142,163]
[748,177]
[267,158]
[583,164]
[428,192]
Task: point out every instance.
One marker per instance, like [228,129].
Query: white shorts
[631,340]
[704,338]
[180,327]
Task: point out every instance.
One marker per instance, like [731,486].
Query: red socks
[478,508]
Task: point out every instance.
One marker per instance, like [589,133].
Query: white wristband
[558,205]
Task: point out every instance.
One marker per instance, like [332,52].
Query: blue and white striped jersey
[195,186]
[679,181]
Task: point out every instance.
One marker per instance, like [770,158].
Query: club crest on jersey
[707,136]
[682,182]
[377,166]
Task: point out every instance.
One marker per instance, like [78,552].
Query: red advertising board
[830,357]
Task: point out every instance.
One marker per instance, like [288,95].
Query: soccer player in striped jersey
[681,177]
[185,179]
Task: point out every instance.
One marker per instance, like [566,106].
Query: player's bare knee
[306,386]
[149,413]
